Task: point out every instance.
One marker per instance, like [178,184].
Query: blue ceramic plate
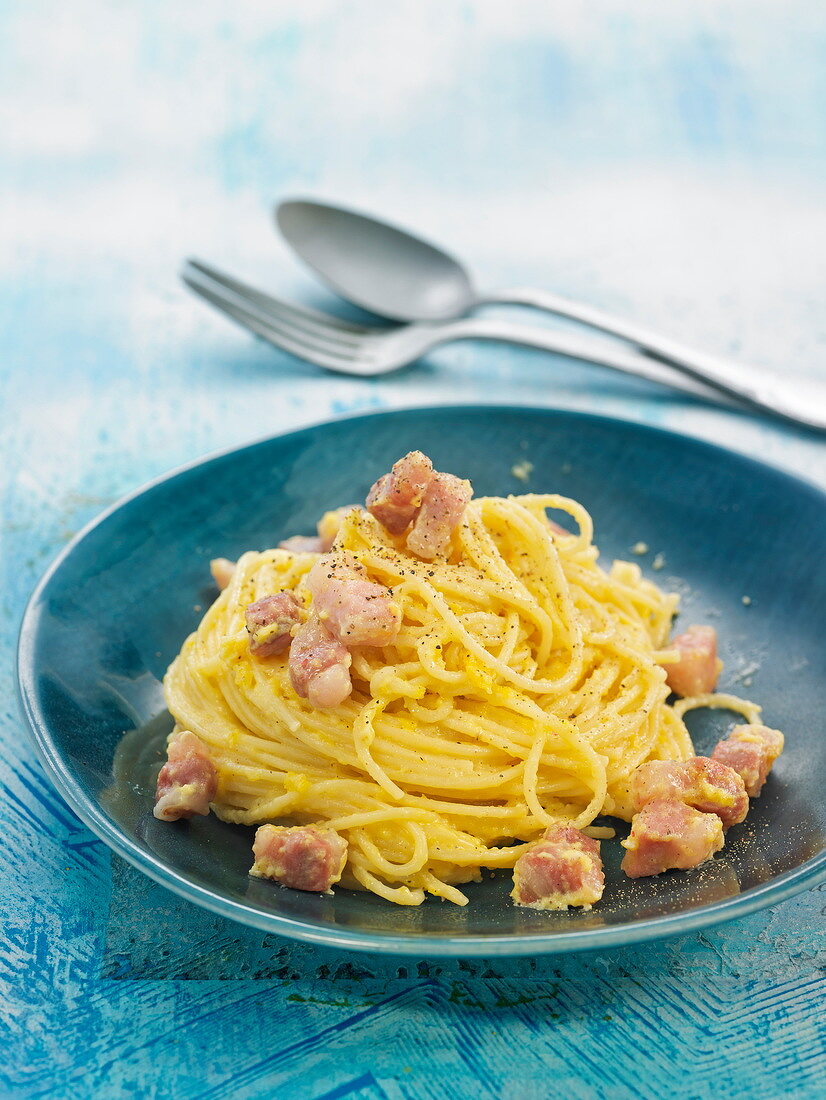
[113,610]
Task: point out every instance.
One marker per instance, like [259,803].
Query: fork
[348,348]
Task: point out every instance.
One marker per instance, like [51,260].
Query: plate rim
[774,891]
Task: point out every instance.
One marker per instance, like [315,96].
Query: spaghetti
[523,688]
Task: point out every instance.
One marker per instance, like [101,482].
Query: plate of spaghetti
[448,681]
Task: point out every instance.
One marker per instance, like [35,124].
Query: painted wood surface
[662,160]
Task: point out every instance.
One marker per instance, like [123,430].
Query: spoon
[375,265]
[394,274]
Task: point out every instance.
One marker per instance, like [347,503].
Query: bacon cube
[188,780]
[707,785]
[396,498]
[354,610]
[751,751]
[667,834]
[302,544]
[698,669]
[303,857]
[440,514]
[319,665]
[270,621]
[562,869]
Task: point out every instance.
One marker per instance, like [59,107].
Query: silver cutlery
[397,275]
[355,349]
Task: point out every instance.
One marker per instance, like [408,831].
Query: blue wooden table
[666,161]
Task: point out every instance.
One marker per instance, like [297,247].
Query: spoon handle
[802,400]
[661,347]
[755,385]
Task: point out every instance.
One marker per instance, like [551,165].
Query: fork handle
[806,405]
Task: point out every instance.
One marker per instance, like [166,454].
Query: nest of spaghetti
[523,687]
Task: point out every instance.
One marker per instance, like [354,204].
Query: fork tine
[278,335]
[284,318]
[272,335]
[283,321]
[319,324]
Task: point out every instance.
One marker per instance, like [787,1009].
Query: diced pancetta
[303,857]
[222,570]
[319,665]
[440,514]
[188,780]
[270,621]
[697,670]
[413,493]
[562,869]
[396,498]
[751,751]
[656,779]
[705,784]
[303,544]
[354,610]
[667,834]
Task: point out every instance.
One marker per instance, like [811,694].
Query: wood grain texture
[661,160]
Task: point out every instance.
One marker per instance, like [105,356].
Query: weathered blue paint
[660,159]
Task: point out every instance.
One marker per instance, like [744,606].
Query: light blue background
[665,160]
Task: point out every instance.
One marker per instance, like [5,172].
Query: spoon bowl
[376,265]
